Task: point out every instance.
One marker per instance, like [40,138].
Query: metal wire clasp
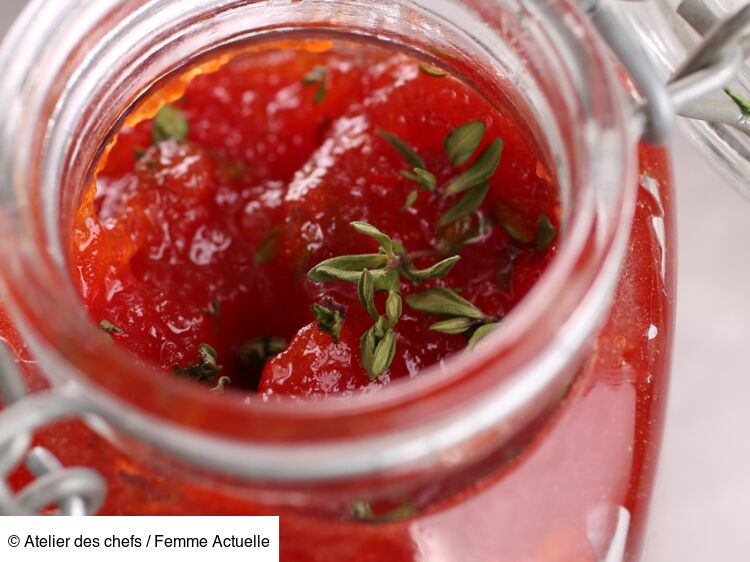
[711,66]
[74,491]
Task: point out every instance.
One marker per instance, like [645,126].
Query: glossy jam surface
[585,475]
[272,172]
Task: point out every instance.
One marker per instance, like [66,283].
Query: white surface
[703,488]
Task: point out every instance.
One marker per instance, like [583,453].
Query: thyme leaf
[483,168]
[410,199]
[220,384]
[440,269]
[170,123]
[438,301]
[317,76]
[394,308]
[461,143]
[545,234]
[432,71]
[213,311]
[513,223]
[269,247]
[366,293]
[467,205]
[365,228]
[406,152]
[346,268]
[363,511]
[424,179]
[110,328]
[206,367]
[481,333]
[741,102]
[330,320]
[457,325]
[383,354]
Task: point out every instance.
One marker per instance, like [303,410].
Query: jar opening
[539,59]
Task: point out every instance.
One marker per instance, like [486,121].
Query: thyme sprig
[462,316]
[206,367]
[374,273]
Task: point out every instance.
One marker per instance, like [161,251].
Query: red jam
[209,239]
[176,226]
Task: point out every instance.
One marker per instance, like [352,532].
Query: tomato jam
[206,220]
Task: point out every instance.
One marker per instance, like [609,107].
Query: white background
[703,488]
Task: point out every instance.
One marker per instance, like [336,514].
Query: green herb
[468,204]
[213,311]
[410,199]
[453,325]
[432,71]
[317,76]
[741,102]
[464,317]
[330,320]
[440,269]
[461,143]
[464,231]
[513,223]
[382,356]
[394,308]
[139,152]
[205,369]
[506,267]
[366,292]
[438,301]
[255,352]
[346,268]
[373,273]
[406,152]
[483,168]
[444,52]
[269,247]
[170,123]
[481,333]
[110,328]
[363,511]
[383,239]
[220,384]
[424,178]
[545,234]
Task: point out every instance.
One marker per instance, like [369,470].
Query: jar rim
[499,386]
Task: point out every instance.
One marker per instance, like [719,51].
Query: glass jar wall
[542,443]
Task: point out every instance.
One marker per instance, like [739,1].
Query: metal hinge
[710,67]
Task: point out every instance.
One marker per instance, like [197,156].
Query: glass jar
[540,446]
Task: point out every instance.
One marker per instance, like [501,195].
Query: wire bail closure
[711,66]
[75,491]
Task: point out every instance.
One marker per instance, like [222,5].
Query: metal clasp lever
[710,67]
